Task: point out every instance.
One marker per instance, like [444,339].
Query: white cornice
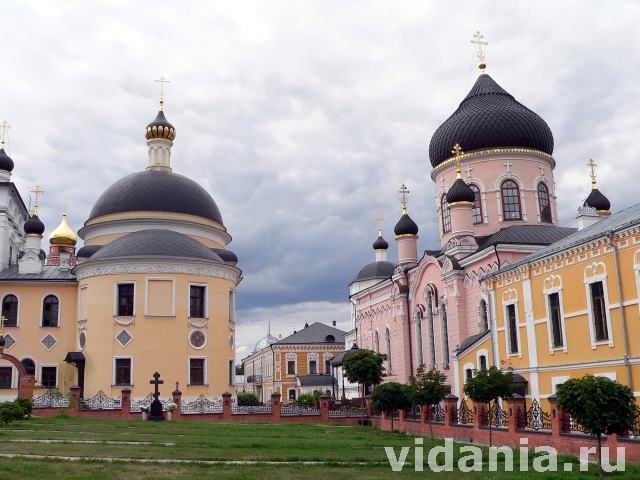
[133,266]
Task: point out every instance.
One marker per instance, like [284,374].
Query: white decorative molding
[124,321]
[198,322]
[552,284]
[225,272]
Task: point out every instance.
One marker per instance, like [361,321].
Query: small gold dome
[63,235]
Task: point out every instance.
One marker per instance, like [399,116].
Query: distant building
[297,364]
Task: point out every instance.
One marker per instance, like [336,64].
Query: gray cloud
[303,119]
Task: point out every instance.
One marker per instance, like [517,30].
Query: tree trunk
[362,405]
[392,415]
[599,455]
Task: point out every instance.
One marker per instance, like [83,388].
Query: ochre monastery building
[154,276]
[507,285]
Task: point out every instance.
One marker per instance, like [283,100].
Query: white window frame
[467,366]
[42,309]
[289,390]
[555,381]
[313,357]
[291,357]
[146,296]
[35,366]
[206,370]
[80,289]
[113,369]
[18,312]
[52,365]
[553,284]
[206,300]
[507,328]
[479,354]
[115,297]
[596,272]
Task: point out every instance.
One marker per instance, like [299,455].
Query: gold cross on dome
[36,194]
[480,43]
[404,191]
[162,81]
[592,167]
[458,152]
[5,128]
[379,220]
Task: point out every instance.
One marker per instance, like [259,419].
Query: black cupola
[460,192]
[597,200]
[405,226]
[5,161]
[33,226]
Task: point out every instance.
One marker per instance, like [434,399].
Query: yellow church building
[152,288]
[570,309]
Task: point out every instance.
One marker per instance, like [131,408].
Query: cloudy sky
[303,118]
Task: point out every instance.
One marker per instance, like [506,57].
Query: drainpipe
[623,317]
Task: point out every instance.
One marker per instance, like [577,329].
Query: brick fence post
[126,403]
[275,406]
[402,415]
[556,417]
[226,406]
[478,413]
[516,408]
[425,413]
[74,407]
[25,386]
[450,410]
[369,406]
[176,397]
[324,408]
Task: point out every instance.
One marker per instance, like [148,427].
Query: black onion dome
[33,226]
[375,271]
[160,128]
[460,192]
[380,243]
[597,200]
[156,243]
[489,117]
[5,161]
[405,226]
[157,191]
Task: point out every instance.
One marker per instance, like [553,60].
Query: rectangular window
[291,367]
[598,312]
[123,371]
[232,372]
[49,377]
[5,377]
[232,306]
[159,297]
[556,320]
[125,299]
[327,367]
[313,367]
[512,328]
[196,301]
[196,371]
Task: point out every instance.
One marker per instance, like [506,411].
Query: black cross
[156,381]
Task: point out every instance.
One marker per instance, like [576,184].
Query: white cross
[541,167]
[508,165]
[468,170]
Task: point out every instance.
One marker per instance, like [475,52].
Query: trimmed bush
[10,411]
[247,399]
[25,404]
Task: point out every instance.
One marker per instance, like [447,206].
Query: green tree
[487,386]
[247,399]
[427,388]
[365,368]
[600,405]
[390,397]
[10,411]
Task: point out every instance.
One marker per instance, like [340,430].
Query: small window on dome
[477,204]
[511,200]
[544,203]
[446,215]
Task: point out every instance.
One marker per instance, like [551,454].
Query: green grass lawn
[337,448]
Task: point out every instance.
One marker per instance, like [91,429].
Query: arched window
[388,338]
[511,200]
[468,373]
[29,366]
[432,341]
[482,314]
[446,215]
[483,362]
[419,338]
[477,204]
[50,311]
[330,339]
[377,339]
[544,203]
[10,310]
[445,335]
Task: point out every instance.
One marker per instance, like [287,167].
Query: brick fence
[566,443]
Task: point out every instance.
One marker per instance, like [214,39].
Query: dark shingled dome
[460,192]
[405,226]
[156,243]
[160,128]
[597,200]
[88,250]
[375,271]
[489,117]
[5,161]
[157,191]
[34,226]
[380,243]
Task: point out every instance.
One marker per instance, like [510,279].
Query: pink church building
[492,164]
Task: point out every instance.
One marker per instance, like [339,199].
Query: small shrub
[10,411]
[307,399]
[25,404]
[247,399]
